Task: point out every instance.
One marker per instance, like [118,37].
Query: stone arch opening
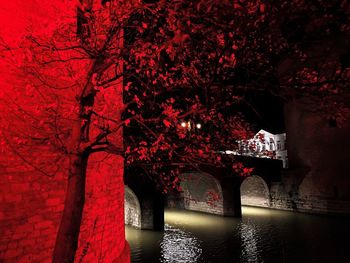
[255,192]
[132,209]
[202,192]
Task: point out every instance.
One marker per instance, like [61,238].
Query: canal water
[261,235]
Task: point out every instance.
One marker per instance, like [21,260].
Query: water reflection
[249,251]
[261,235]
[179,246]
[255,211]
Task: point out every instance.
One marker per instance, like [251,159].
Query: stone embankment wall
[280,199]
[317,180]
[32,205]
[319,154]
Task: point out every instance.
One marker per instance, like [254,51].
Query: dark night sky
[270,110]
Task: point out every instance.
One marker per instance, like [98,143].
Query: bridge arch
[202,192]
[151,201]
[132,208]
[255,192]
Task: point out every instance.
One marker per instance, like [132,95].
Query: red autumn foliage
[183,61]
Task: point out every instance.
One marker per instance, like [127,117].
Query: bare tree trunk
[68,233]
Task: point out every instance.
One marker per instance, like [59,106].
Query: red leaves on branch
[241,170]
[213,198]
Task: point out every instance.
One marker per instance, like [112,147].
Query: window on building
[278,145]
[271,144]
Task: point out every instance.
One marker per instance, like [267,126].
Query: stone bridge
[207,189]
[144,204]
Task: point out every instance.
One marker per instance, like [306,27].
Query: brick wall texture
[202,192]
[132,211]
[32,204]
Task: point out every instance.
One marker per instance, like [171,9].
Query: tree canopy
[176,75]
[178,60]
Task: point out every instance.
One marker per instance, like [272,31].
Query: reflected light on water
[261,235]
[132,233]
[249,251]
[179,246]
[189,218]
[255,211]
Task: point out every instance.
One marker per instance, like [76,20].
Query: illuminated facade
[265,145]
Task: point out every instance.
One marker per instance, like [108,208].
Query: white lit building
[265,145]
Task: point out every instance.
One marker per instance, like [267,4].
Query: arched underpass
[202,192]
[132,209]
[255,192]
[143,207]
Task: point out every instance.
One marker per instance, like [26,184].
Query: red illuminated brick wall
[31,203]
[102,238]
[31,206]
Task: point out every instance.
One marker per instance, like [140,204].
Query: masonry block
[32,206]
